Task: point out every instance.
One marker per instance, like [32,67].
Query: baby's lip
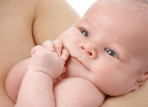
[80,62]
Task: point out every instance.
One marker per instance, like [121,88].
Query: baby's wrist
[35,70]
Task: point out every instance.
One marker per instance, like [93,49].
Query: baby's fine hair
[138,9]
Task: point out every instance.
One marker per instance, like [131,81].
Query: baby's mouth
[79,62]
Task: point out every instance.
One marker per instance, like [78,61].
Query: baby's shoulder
[76,92]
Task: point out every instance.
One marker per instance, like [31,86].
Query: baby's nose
[89,49]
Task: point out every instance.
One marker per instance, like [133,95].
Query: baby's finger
[35,49]
[57,46]
[49,45]
[65,54]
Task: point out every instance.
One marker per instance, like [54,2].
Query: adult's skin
[137,98]
[51,18]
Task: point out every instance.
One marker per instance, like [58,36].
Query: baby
[105,53]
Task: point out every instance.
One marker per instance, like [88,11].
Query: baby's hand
[49,58]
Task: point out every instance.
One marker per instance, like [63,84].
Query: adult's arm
[137,98]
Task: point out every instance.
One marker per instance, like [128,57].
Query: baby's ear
[142,78]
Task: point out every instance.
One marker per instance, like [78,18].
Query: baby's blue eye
[111,52]
[85,33]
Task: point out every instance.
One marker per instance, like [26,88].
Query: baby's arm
[77,92]
[37,85]
[36,90]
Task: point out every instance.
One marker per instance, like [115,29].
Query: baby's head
[109,45]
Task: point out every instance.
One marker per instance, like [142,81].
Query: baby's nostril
[82,47]
[90,53]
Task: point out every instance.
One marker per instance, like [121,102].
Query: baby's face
[105,48]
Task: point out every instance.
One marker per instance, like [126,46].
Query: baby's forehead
[135,17]
[136,47]
[137,9]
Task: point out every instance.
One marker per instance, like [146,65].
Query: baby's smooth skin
[107,56]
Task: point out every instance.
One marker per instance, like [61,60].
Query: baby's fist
[48,62]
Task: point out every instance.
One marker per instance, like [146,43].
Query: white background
[81,5]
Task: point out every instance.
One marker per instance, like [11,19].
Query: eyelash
[114,54]
[85,33]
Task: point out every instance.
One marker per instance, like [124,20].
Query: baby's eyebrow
[85,22]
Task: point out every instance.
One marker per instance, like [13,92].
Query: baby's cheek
[106,82]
